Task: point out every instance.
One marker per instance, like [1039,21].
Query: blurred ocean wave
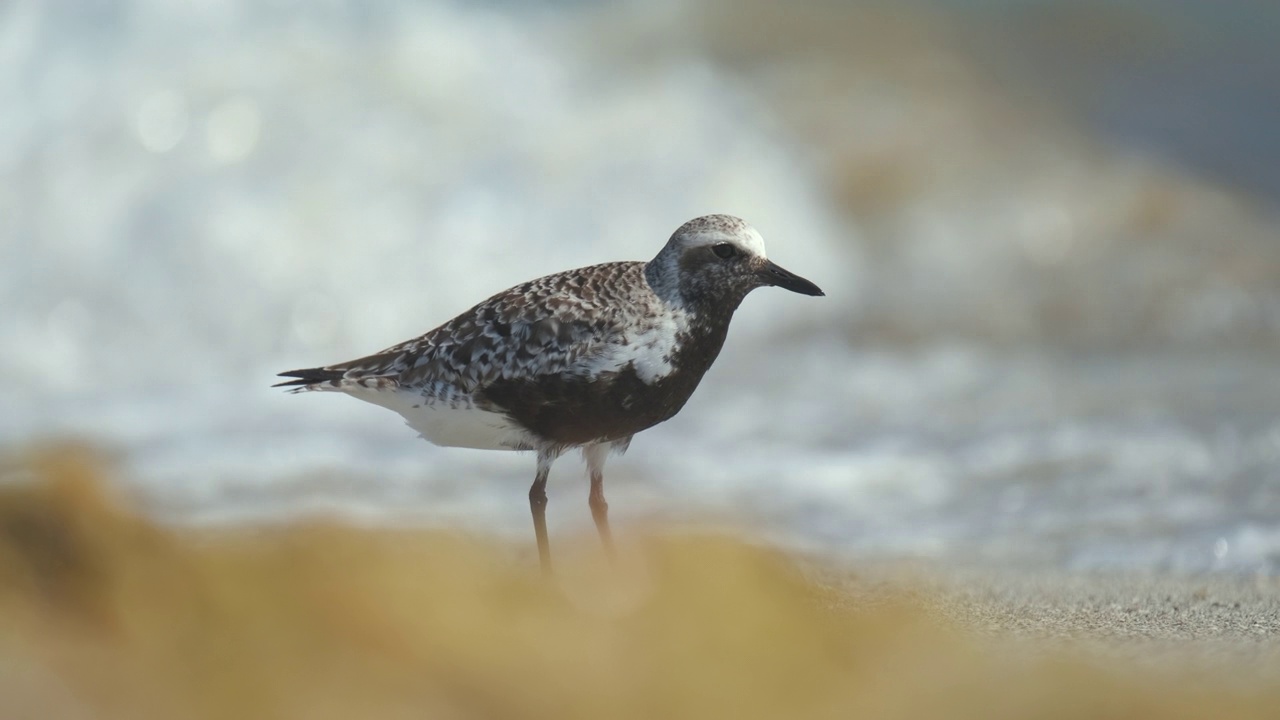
[986,214]
[1045,348]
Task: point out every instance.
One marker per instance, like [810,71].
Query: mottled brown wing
[559,324]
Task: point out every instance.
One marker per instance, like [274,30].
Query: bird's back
[559,323]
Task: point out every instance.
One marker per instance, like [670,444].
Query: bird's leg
[595,456]
[600,512]
[538,504]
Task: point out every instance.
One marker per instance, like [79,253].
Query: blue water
[1038,347]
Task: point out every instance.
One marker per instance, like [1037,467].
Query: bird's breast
[644,384]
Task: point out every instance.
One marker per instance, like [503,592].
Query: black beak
[771,274]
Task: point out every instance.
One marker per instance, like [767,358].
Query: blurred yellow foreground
[106,615]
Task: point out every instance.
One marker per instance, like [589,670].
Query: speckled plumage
[583,358]
[571,322]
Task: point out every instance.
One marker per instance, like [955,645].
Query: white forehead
[712,229]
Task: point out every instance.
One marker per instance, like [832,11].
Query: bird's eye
[724,251]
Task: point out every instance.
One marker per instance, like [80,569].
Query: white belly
[444,424]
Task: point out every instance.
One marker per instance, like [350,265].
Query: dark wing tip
[309,376]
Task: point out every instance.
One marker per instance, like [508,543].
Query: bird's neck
[700,328]
[699,345]
[663,276]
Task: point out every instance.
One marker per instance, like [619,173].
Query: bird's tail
[312,379]
[336,377]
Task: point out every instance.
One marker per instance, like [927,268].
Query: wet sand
[1224,624]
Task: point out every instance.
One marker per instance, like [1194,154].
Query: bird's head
[718,259]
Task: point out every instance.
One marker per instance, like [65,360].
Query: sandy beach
[1221,623]
[109,614]
[1049,234]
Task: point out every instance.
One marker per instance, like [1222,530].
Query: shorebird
[581,359]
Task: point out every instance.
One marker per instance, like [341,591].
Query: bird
[582,359]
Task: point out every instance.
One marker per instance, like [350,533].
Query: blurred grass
[104,614]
